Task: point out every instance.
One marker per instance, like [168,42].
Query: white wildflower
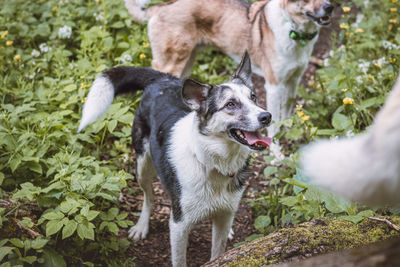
[326,62]
[389,45]
[126,58]
[43,48]
[359,19]
[35,53]
[99,16]
[359,79]
[64,32]
[364,65]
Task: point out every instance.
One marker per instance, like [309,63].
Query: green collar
[302,37]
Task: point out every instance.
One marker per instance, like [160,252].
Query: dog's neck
[212,151]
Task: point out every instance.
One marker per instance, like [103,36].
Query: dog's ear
[243,71]
[194,93]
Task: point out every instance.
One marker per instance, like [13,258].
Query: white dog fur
[365,168]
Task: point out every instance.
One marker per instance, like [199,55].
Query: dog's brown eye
[230,104]
[253,97]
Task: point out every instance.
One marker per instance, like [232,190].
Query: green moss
[307,239]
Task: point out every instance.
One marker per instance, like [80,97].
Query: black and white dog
[196,137]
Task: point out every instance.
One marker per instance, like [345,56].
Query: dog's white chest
[205,196]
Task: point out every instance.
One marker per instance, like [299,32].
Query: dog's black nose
[328,7]
[264,118]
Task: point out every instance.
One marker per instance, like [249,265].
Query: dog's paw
[139,231]
[231,233]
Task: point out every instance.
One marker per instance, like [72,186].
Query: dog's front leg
[276,96]
[221,225]
[179,233]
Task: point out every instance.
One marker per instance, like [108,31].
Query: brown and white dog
[278,34]
[364,168]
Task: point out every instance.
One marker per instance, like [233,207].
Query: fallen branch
[31,232]
[392,225]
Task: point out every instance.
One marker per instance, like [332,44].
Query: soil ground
[155,249]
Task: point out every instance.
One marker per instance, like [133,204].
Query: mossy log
[318,236]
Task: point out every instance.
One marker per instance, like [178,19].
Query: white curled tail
[100,97]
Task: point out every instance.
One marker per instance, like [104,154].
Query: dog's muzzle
[322,17]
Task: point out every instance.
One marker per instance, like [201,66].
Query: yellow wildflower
[377,64]
[346,9]
[145,44]
[305,118]
[83,85]
[393,21]
[348,101]
[392,60]
[9,43]
[83,100]
[394,1]
[344,26]
[300,114]
[344,90]
[4,34]
[142,56]
[299,107]
[370,76]
[393,9]
[360,30]
[17,57]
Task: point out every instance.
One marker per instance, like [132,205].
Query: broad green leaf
[341,122]
[4,251]
[111,125]
[39,243]
[15,162]
[70,88]
[29,259]
[92,214]
[85,232]
[352,218]
[113,228]
[270,170]
[69,229]
[262,222]
[53,227]
[53,215]
[17,242]
[289,201]
[52,259]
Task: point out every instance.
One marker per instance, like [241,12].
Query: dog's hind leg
[145,173]
[221,227]
[172,46]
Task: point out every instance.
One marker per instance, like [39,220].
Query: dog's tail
[111,83]
[365,168]
[136,8]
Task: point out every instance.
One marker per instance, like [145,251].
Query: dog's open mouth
[324,20]
[254,140]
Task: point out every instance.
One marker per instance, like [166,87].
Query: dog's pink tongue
[255,137]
